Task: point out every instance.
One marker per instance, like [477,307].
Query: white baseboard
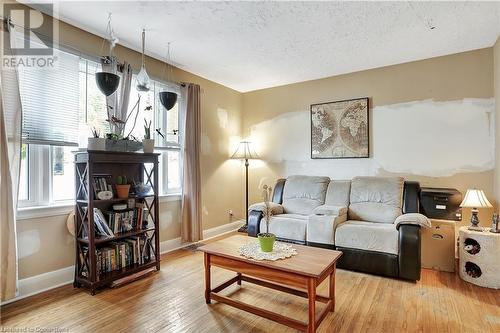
[50,280]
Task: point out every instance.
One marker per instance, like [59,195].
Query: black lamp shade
[168,99]
[107,82]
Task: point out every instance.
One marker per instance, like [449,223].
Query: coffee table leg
[332,290]
[207,278]
[311,294]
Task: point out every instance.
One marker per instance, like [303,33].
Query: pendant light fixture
[168,98]
[107,81]
[143,77]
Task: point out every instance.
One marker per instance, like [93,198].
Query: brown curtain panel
[191,230]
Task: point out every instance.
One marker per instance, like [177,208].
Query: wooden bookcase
[135,166]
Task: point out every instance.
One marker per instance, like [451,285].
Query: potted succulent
[96,142]
[122,187]
[148,144]
[266,239]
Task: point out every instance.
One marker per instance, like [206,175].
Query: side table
[480,257]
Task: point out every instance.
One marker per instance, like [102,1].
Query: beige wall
[445,102]
[496,50]
[222,180]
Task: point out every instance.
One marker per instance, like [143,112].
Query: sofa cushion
[378,237]
[304,193]
[289,226]
[338,193]
[376,199]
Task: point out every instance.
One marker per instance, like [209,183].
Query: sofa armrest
[330,210]
[409,252]
[253,222]
[276,208]
[414,219]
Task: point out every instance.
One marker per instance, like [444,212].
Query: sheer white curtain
[190,122]
[10,163]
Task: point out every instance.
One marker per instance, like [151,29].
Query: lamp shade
[475,199]
[245,151]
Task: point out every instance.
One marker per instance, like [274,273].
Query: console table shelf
[101,260]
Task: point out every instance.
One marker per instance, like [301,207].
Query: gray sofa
[367,218]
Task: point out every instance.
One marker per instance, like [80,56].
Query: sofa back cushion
[304,193]
[338,193]
[376,199]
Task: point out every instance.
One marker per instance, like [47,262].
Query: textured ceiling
[255,45]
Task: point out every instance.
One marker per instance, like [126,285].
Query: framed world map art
[340,129]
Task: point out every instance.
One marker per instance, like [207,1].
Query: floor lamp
[245,152]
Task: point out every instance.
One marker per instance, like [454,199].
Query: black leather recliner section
[254,218]
[368,261]
[409,252]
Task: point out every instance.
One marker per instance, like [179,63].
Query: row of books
[101,183]
[120,255]
[129,219]
[120,221]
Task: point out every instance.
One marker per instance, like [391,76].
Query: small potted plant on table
[267,239]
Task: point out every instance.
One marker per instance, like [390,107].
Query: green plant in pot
[122,187]
[267,239]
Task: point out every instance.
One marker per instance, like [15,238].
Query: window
[60,117]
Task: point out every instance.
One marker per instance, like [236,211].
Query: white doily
[280,251]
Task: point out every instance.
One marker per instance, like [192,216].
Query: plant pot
[266,242]
[122,191]
[148,145]
[123,145]
[96,144]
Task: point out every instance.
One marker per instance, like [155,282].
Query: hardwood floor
[172,300]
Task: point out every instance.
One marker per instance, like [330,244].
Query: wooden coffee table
[304,272]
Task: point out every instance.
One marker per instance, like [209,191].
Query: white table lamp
[475,199]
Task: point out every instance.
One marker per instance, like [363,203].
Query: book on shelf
[102,227]
[128,219]
[101,183]
[120,255]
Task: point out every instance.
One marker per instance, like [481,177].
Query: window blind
[50,100]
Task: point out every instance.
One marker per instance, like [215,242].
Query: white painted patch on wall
[435,138]
[428,138]
[28,243]
[223,118]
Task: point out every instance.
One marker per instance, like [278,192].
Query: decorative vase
[266,241]
[122,191]
[96,144]
[148,145]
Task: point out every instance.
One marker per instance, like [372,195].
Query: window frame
[40,201]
